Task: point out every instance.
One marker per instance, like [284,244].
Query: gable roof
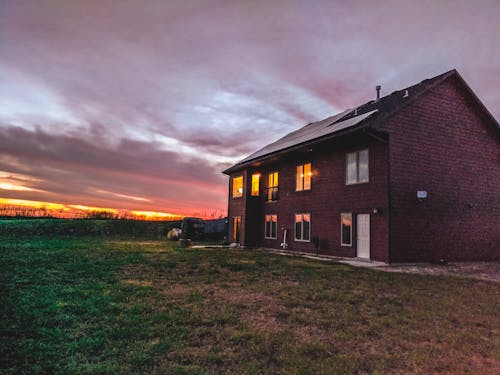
[352,120]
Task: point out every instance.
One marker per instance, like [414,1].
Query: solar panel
[309,133]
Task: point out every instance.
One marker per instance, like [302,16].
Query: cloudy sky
[141,104]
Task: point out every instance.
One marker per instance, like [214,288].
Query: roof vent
[406,94]
[378,87]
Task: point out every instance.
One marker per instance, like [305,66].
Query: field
[113,305]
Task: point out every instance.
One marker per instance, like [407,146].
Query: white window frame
[357,167]
[342,243]
[269,236]
[302,177]
[302,227]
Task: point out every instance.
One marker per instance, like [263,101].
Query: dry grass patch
[253,312]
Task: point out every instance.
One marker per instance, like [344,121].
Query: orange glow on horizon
[153,215]
[78,210]
[88,208]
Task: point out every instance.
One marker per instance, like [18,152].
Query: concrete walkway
[356,262]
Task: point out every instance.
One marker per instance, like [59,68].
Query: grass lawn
[95,306]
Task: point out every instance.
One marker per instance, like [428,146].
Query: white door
[363,236]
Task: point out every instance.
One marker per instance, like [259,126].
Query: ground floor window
[302,227]
[346,229]
[271,227]
[236,228]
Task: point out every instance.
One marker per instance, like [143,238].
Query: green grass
[77,228]
[123,306]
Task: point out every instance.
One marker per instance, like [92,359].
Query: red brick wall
[237,207]
[327,199]
[441,144]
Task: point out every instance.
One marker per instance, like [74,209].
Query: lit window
[346,229]
[304,175]
[271,227]
[236,228]
[237,187]
[302,227]
[357,167]
[272,187]
[255,184]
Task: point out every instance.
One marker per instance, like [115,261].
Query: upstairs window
[255,184]
[237,187]
[272,187]
[357,167]
[302,227]
[304,177]
[271,227]
[346,229]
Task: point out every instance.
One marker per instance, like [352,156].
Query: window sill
[296,240]
[345,245]
[270,238]
[357,183]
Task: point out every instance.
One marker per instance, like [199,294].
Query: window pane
[273,228]
[237,186]
[255,184]
[300,177]
[352,175]
[307,176]
[272,179]
[346,228]
[363,166]
[298,227]
[236,228]
[306,229]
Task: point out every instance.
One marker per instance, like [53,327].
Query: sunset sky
[140,105]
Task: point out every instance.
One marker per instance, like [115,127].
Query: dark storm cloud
[153,98]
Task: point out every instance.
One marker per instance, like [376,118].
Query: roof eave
[325,138]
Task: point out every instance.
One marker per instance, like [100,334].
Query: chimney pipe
[378,87]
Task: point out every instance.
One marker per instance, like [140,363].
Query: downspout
[389,226]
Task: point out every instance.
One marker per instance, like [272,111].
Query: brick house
[412,176]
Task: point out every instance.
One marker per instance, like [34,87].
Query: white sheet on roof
[309,132]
